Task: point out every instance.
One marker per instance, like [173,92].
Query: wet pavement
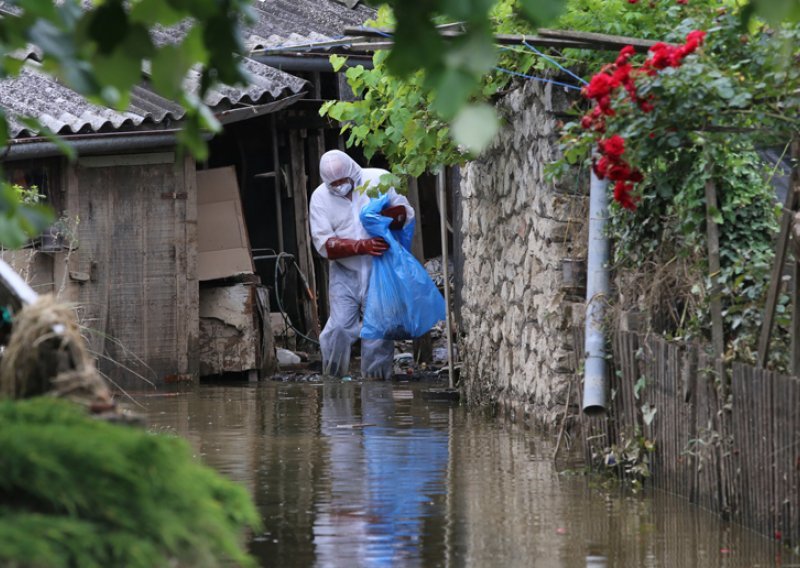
[371,474]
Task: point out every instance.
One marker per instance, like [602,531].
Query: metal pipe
[440,185]
[309,63]
[594,378]
[102,144]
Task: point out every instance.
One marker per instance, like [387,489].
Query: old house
[172,263]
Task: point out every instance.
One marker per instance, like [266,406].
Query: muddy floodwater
[371,474]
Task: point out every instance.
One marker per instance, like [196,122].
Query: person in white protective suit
[339,236]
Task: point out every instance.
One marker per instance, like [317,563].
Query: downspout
[594,378]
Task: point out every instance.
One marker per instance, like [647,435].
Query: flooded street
[371,474]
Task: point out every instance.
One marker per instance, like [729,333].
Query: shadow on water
[371,474]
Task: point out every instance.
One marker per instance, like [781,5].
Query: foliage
[100,50]
[452,70]
[403,117]
[630,458]
[664,127]
[75,491]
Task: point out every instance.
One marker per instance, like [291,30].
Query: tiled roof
[277,22]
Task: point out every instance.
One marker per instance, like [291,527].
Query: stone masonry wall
[516,315]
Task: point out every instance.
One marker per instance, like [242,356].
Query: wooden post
[304,260]
[794,189]
[277,169]
[413,198]
[422,347]
[712,235]
[316,148]
[777,266]
[717,330]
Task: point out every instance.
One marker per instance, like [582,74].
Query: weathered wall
[515,230]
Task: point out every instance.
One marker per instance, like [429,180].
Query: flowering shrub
[658,126]
[603,88]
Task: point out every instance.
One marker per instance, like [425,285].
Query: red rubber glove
[398,215]
[342,248]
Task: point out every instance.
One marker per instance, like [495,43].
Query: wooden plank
[794,189]
[712,236]
[413,199]
[316,148]
[127,160]
[300,201]
[781,247]
[189,278]
[605,40]
[793,459]
[276,166]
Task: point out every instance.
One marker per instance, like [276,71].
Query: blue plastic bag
[402,301]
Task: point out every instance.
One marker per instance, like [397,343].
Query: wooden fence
[731,446]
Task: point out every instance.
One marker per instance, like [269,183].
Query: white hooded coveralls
[334,216]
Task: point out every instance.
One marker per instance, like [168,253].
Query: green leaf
[475,127]
[639,386]
[108,25]
[648,413]
[452,91]
[118,70]
[36,126]
[542,11]
[168,70]
[337,61]
[155,11]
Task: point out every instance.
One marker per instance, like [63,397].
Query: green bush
[75,491]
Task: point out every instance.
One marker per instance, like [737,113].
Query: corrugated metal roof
[278,22]
[291,22]
[64,111]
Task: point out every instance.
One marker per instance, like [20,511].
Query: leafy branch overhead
[101,51]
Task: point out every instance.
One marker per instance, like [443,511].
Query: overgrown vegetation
[663,127]
[76,491]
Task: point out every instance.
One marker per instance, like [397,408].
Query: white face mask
[341,190]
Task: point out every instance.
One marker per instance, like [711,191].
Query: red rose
[622,195]
[636,176]
[601,167]
[586,122]
[619,172]
[612,147]
[696,37]
[682,1]
[624,54]
[661,56]
[599,86]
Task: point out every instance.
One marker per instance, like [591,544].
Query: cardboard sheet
[223,246]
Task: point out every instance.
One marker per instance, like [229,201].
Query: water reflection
[351,474]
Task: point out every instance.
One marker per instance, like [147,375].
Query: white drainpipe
[594,378]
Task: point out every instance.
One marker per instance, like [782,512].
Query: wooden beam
[276,167]
[712,236]
[316,147]
[794,189]
[422,347]
[304,259]
[777,271]
[417,247]
[605,41]
[543,38]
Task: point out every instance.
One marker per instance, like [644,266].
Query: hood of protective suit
[335,164]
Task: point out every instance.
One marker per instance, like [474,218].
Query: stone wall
[516,312]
